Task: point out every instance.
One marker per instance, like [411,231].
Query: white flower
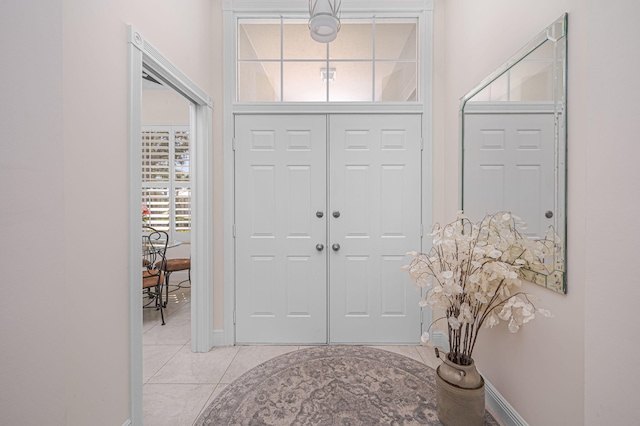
[454,323]
[495,254]
[491,321]
[480,297]
[513,326]
[474,271]
[424,338]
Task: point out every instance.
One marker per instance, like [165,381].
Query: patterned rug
[330,385]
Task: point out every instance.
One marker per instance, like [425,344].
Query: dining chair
[171,266]
[154,248]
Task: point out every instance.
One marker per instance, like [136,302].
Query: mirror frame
[555,280]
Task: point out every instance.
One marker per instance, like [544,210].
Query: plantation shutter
[166,189]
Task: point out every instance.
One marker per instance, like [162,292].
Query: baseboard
[127,423]
[217,337]
[500,407]
[440,339]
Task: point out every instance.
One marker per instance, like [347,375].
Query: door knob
[319,213]
[549,214]
[319,246]
[336,214]
[335,246]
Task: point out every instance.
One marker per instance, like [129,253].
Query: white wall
[63,168]
[570,369]
[164,106]
[32,318]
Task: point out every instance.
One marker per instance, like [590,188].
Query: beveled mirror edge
[554,32]
[547,34]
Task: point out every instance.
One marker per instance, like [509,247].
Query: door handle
[319,214]
[335,246]
[319,246]
[549,214]
[336,214]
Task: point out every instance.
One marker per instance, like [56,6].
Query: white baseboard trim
[500,407]
[440,339]
[217,337]
[127,423]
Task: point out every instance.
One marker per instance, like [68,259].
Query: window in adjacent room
[166,189]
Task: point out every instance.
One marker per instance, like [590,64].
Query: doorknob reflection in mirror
[335,246]
[319,213]
[336,214]
[319,246]
[549,214]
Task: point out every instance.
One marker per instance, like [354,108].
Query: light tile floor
[179,384]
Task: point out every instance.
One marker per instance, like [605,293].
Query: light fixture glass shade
[324,23]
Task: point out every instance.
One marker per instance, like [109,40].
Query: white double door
[326,208]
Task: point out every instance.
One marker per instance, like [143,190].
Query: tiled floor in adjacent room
[179,384]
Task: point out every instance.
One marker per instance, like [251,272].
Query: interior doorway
[144,57]
[327,205]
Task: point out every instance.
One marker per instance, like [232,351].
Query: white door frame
[232,10]
[142,55]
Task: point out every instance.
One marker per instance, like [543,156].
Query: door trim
[231,10]
[142,55]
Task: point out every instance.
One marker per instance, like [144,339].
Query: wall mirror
[513,135]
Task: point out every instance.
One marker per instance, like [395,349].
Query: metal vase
[459,394]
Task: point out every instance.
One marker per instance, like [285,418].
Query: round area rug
[330,385]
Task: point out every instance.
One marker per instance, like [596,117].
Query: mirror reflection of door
[509,166]
[514,145]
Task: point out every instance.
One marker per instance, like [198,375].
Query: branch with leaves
[473,273]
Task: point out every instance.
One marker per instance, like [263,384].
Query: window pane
[396,39]
[352,82]
[183,209]
[259,39]
[155,156]
[396,81]
[157,200]
[354,41]
[298,44]
[181,156]
[259,81]
[303,82]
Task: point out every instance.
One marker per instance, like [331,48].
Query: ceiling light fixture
[328,75]
[324,20]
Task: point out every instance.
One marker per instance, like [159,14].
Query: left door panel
[280,193]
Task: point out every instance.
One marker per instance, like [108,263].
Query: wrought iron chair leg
[167,275]
[160,305]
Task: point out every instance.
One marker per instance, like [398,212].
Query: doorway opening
[144,57]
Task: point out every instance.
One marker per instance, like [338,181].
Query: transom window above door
[371,60]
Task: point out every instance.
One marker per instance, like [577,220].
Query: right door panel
[375,210]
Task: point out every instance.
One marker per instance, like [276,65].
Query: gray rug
[330,385]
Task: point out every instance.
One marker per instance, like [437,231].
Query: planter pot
[459,395]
